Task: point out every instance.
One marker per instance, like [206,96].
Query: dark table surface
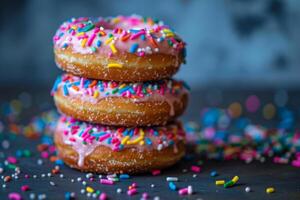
[284,178]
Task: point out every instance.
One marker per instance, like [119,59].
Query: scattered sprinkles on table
[133,34]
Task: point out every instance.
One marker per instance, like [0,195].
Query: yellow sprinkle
[108,40]
[79,34]
[269,111]
[142,142]
[135,141]
[220,182]
[235,109]
[122,86]
[270,190]
[142,132]
[74,27]
[96,94]
[83,42]
[116,20]
[169,35]
[89,189]
[115,65]
[113,48]
[235,179]
[125,139]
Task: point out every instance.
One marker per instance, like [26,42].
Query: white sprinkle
[119,190]
[52,183]
[247,189]
[32,196]
[190,189]
[172,179]
[89,175]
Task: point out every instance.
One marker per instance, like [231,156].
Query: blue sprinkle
[148,141]
[80,134]
[131,132]
[65,45]
[66,92]
[124,89]
[124,176]
[133,48]
[59,162]
[98,134]
[98,43]
[213,173]
[172,186]
[143,37]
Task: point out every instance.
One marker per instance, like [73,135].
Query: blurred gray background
[234,43]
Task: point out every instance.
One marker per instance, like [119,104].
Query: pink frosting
[85,137]
[169,91]
[130,34]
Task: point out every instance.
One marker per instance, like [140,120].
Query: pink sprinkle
[12,160]
[132,192]
[296,163]
[134,185]
[104,137]
[24,188]
[155,172]
[134,36]
[252,103]
[90,41]
[103,196]
[45,154]
[14,196]
[183,191]
[106,182]
[145,195]
[195,168]
[26,176]
[52,149]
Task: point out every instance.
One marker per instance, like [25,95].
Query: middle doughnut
[120,104]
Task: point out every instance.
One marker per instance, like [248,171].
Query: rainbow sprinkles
[85,137]
[133,34]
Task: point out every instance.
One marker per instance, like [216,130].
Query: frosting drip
[85,137]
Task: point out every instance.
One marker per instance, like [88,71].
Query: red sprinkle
[25,188]
[156,172]
[195,168]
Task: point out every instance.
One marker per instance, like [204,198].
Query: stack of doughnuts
[118,101]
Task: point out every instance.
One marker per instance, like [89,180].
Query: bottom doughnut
[104,149]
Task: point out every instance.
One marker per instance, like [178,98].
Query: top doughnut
[122,48]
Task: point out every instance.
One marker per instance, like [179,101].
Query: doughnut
[109,149]
[120,104]
[122,48]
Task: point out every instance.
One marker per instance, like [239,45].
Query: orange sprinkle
[75,87]
[125,37]
[153,42]
[93,83]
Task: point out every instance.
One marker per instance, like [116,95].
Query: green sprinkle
[228,184]
[27,153]
[114,91]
